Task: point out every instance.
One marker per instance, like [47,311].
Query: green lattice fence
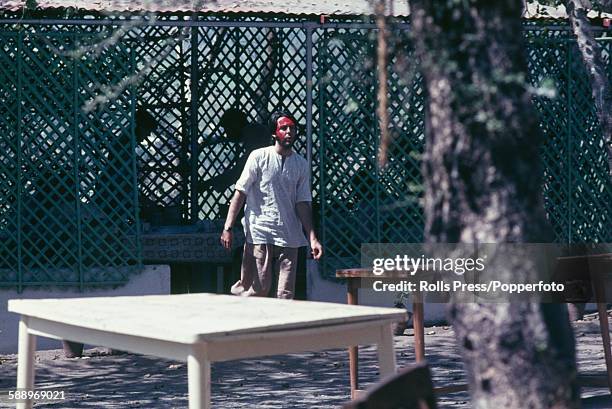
[577,186]
[162,56]
[361,204]
[71,187]
[182,81]
[68,209]
[255,69]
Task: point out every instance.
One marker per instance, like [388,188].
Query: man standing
[275,186]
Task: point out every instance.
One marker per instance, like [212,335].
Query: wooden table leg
[25,362]
[353,299]
[386,352]
[605,337]
[419,327]
[600,299]
[198,378]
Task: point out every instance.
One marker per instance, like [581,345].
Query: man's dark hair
[274,119]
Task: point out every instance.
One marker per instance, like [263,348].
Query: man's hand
[304,213]
[317,248]
[234,208]
[226,239]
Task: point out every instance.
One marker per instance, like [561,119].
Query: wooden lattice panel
[71,186]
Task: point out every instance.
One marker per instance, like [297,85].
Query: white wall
[155,279]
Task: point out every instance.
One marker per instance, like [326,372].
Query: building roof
[398,8]
[535,10]
[288,7]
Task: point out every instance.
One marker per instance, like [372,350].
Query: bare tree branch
[111,92]
[590,51]
[383,118]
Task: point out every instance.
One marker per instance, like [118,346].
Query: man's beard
[285,144]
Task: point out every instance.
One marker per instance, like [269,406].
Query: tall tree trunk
[483,184]
[590,52]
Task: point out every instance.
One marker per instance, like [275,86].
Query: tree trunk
[590,52]
[483,184]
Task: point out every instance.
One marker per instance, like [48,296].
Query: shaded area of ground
[301,381]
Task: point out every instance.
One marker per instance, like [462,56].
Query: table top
[190,318]
[605,257]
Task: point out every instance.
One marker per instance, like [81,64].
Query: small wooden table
[200,329]
[353,278]
[598,267]
[599,270]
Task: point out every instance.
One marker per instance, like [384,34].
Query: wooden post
[353,299]
[419,327]
[600,297]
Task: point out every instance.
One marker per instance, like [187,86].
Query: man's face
[285,132]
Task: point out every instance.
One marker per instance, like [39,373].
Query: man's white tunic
[272,189]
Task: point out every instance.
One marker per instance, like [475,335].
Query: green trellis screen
[74,199]
[360,204]
[67,176]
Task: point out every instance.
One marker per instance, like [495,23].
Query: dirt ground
[316,380]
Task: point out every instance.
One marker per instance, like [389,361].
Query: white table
[200,329]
